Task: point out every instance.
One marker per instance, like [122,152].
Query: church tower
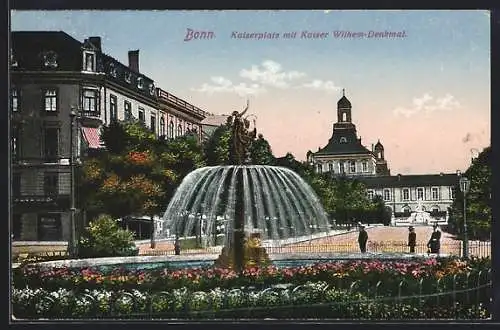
[344,109]
[381,164]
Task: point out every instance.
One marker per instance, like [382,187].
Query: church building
[344,153]
[404,195]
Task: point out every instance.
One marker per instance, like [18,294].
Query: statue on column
[241,137]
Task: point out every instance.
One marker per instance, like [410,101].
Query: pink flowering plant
[369,274]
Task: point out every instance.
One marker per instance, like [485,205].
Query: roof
[343,102]
[379,146]
[351,146]
[412,180]
[215,120]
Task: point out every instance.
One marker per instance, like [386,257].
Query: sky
[424,91]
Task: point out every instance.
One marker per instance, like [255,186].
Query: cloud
[270,73]
[428,104]
[224,85]
[325,85]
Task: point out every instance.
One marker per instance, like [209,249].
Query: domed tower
[344,109]
[380,162]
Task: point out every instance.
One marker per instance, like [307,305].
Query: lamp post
[72,240]
[464,188]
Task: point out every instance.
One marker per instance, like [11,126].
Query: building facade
[344,152]
[62,92]
[403,194]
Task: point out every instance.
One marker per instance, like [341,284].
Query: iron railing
[476,248]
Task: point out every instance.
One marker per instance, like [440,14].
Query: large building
[344,153]
[403,194]
[62,92]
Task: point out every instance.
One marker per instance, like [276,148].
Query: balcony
[188,107]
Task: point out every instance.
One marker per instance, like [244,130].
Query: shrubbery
[311,300]
[104,238]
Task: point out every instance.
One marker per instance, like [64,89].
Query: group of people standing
[433,245]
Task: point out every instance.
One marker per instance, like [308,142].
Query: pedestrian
[362,238]
[412,239]
[177,246]
[434,243]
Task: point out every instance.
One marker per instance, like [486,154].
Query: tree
[136,173]
[478,203]
[216,149]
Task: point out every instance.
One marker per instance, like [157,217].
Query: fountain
[257,202]
[420,216]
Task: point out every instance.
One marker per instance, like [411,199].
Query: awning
[92,137]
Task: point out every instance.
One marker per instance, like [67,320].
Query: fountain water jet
[259,201]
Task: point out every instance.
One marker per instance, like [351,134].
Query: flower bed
[340,274]
[431,288]
[311,300]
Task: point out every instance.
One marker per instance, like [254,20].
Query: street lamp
[72,240]
[464,188]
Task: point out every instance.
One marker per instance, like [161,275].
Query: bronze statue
[241,137]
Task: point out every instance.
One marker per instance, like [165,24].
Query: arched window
[343,140]
[162,126]
[179,130]
[171,130]
[406,209]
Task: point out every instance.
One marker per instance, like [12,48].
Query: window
[406,209]
[16,184]
[153,123]
[51,184]
[162,126]
[352,166]
[50,59]
[364,165]
[142,118]
[151,89]
[113,71]
[49,227]
[14,101]
[452,192]
[16,226]
[90,100]
[320,168]
[387,195]
[113,110]
[370,194]
[179,130]
[406,194]
[128,110]
[13,61]
[343,140]
[435,209]
[330,167]
[89,61]
[51,143]
[341,167]
[420,193]
[435,193]
[171,130]
[128,77]
[140,83]
[50,100]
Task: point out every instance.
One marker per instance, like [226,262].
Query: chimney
[399,177]
[133,60]
[441,174]
[96,41]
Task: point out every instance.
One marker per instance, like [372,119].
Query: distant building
[345,155]
[53,74]
[211,123]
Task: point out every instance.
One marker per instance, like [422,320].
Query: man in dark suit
[412,239]
[362,238]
